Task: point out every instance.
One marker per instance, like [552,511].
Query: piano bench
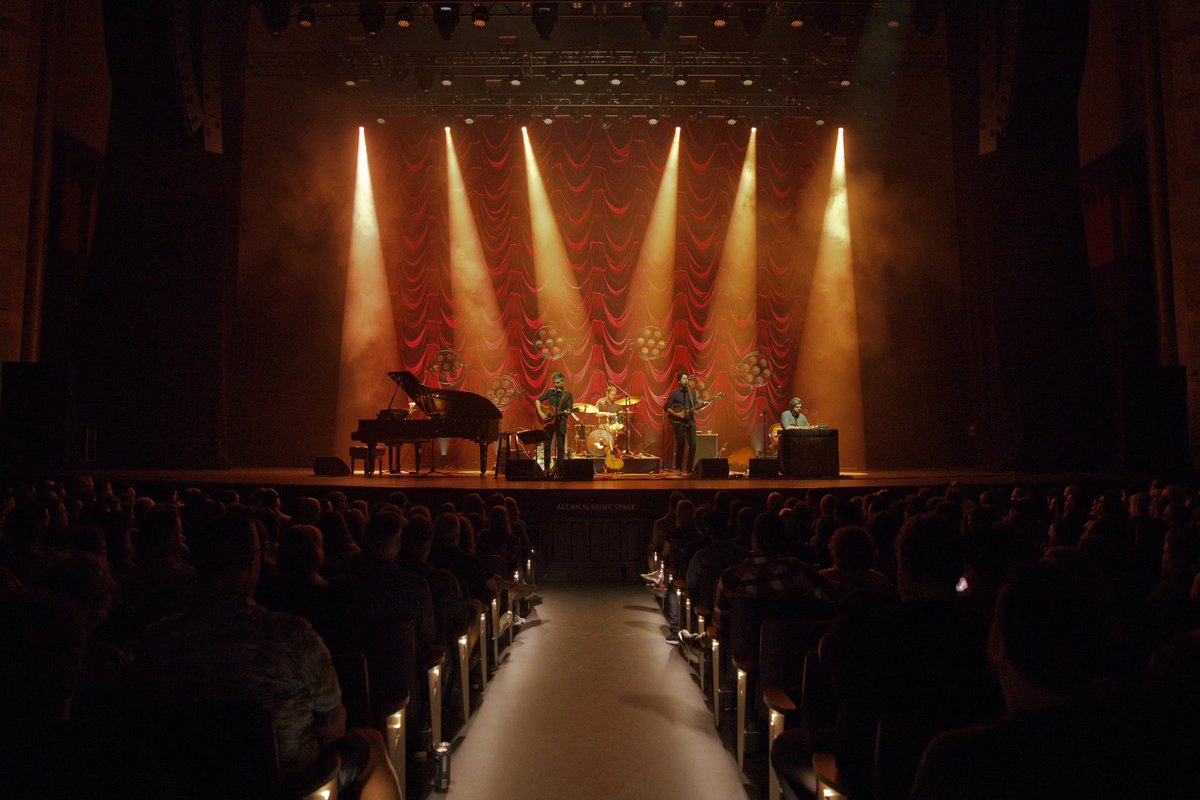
[359,453]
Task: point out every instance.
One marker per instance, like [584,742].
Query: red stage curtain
[602,185]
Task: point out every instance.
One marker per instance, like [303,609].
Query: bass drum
[599,442]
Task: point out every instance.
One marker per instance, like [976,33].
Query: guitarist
[553,408]
[681,412]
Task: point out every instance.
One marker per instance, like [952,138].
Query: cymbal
[584,408]
[629,401]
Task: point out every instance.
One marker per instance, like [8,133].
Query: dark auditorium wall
[152,358]
[1043,392]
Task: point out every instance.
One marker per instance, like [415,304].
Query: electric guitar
[678,416]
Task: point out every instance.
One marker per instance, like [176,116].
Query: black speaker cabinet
[809,453]
[706,445]
[330,467]
[576,469]
[712,468]
[764,468]
[522,468]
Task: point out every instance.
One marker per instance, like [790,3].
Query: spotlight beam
[828,370]
[368,348]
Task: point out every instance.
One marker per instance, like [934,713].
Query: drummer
[608,403]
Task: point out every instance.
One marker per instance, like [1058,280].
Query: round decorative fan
[446,367]
[651,342]
[549,342]
[501,391]
[703,393]
[753,370]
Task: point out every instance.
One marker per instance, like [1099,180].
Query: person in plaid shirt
[765,574]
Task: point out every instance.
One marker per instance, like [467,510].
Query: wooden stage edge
[296,480]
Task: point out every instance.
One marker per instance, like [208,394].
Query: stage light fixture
[615,79]
[747,79]
[700,115]
[404,16]
[642,75]
[681,78]
[795,17]
[445,17]
[371,17]
[720,17]
[425,78]
[447,78]
[480,16]
[844,82]
[275,17]
[307,16]
[652,119]
[819,122]
[552,74]
[545,17]
[893,24]
[580,78]
[753,16]
[654,17]
[731,120]
[548,118]
[514,78]
[470,120]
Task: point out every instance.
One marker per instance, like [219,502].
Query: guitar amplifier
[706,445]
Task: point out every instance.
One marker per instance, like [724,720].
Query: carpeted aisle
[593,704]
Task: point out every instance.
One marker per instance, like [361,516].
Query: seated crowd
[1040,646]
[115,608]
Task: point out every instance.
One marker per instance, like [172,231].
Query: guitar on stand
[678,416]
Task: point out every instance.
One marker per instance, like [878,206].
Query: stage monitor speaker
[330,467]
[712,467]
[576,469]
[706,445]
[519,468]
[764,468]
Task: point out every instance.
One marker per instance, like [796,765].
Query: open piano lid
[443,403]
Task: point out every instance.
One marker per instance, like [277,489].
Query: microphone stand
[623,415]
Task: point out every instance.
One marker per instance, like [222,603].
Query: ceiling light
[480,16]
[371,17]
[545,16]
[404,16]
[275,17]
[307,16]
[654,17]
[445,17]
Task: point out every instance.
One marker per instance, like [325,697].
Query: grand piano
[449,414]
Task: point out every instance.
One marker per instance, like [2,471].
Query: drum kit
[602,432]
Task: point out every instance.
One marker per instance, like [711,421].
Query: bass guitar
[678,416]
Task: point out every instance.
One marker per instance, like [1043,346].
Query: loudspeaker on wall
[330,466]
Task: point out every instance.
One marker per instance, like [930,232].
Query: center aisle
[593,703]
